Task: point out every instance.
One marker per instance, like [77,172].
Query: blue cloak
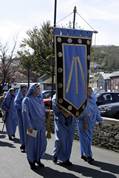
[10,113]
[18,104]
[64,134]
[33,112]
[90,116]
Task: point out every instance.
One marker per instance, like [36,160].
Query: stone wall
[108,135]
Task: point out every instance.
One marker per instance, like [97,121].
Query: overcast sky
[18,16]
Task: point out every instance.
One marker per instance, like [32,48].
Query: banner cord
[64,17]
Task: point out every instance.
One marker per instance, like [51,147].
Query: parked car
[107,97]
[110,110]
[47,97]
[108,104]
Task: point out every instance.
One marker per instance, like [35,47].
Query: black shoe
[22,148]
[55,159]
[65,163]
[68,163]
[32,165]
[84,158]
[90,160]
[11,138]
[40,164]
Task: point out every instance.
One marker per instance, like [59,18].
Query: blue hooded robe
[90,116]
[10,113]
[33,112]
[18,104]
[64,134]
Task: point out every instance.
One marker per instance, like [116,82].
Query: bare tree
[7,59]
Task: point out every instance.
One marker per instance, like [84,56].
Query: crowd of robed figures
[26,108]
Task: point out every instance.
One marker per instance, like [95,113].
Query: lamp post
[28,74]
[30,53]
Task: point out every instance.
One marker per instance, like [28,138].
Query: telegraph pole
[74,17]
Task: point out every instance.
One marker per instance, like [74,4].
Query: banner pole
[55,12]
[74,17]
[53,58]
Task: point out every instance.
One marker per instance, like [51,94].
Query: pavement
[13,163]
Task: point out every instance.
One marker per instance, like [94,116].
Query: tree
[26,62]
[39,41]
[7,60]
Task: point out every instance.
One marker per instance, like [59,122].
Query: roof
[115,74]
[105,75]
[46,79]
[43,77]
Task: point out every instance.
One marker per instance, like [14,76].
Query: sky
[18,16]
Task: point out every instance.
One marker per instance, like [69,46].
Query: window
[116,97]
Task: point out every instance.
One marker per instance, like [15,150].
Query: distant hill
[107,57]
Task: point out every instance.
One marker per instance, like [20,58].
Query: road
[13,163]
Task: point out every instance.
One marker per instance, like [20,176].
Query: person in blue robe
[18,104]
[33,112]
[64,133]
[86,123]
[10,113]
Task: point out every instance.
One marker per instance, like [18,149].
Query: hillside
[107,57]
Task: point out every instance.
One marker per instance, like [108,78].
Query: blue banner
[72,68]
[72,32]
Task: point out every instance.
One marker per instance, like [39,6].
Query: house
[114,77]
[108,81]
[46,82]
[103,81]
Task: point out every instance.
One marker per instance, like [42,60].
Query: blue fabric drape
[11,114]
[18,104]
[64,134]
[33,112]
[90,115]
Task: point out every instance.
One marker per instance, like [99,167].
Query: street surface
[13,163]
